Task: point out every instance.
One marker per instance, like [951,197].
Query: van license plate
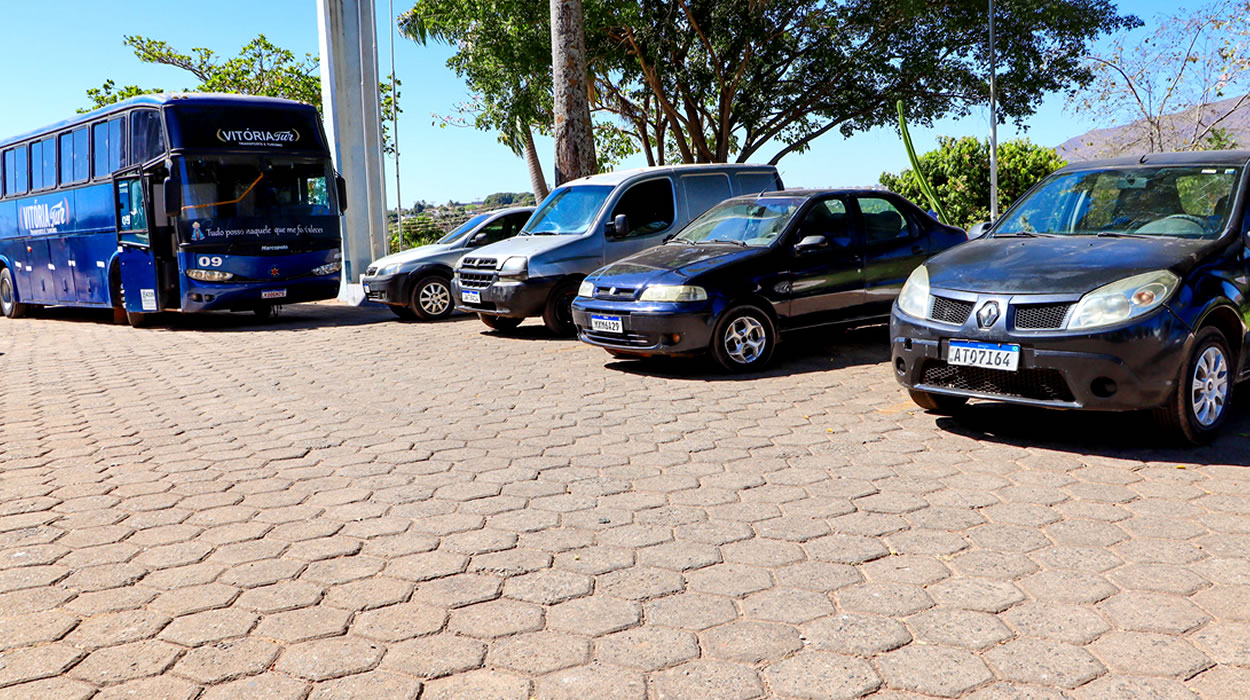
[607,324]
[968,353]
[471,297]
[273,294]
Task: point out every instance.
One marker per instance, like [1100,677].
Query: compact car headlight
[329,268]
[210,275]
[587,289]
[914,299]
[671,292]
[516,266]
[1123,300]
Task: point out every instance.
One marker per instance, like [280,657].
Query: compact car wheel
[431,298]
[1199,406]
[558,314]
[938,403]
[744,339]
[9,305]
[500,323]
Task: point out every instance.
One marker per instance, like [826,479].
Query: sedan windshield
[568,210]
[1181,202]
[755,223]
[462,229]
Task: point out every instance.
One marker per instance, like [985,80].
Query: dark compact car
[752,267]
[1115,285]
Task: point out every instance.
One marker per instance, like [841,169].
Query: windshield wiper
[1022,234]
[1118,234]
[740,244]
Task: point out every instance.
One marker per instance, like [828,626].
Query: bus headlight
[328,268]
[210,275]
[1120,301]
[671,292]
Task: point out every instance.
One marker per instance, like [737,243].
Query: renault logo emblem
[988,315]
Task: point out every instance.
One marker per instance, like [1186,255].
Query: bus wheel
[9,305]
[139,320]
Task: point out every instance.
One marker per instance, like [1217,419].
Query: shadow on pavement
[294,317]
[526,332]
[1120,435]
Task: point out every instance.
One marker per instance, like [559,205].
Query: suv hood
[1070,265]
[525,245]
[412,255]
[671,259]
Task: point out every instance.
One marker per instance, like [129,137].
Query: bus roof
[208,99]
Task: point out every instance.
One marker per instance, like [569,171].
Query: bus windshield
[230,187]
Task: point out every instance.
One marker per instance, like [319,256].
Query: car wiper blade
[1022,234]
[740,244]
[1118,234]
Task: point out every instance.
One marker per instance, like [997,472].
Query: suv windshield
[568,210]
[754,223]
[1183,202]
[462,229]
[227,187]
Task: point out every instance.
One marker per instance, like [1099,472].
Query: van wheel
[9,305]
[431,298]
[558,314]
[744,339]
[941,404]
[1198,407]
[500,323]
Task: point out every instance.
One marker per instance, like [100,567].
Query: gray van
[586,224]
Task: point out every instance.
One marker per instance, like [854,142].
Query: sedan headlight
[670,292]
[914,299]
[516,266]
[587,289]
[210,275]
[1121,301]
[329,268]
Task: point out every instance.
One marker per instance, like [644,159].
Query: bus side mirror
[173,197]
[341,184]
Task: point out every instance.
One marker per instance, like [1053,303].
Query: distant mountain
[1120,140]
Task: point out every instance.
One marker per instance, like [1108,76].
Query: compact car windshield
[568,210]
[463,229]
[1181,202]
[756,223]
[227,187]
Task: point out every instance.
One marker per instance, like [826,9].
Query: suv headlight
[587,289]
[516,266]
[670,292]
[1121,301]
[210,275]
[329,269]
[913,300]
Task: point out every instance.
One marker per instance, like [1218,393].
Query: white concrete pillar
[349,94]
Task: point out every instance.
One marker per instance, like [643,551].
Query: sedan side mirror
[341,184]
[980,230]
[618,226]
[811,244]
[478,238]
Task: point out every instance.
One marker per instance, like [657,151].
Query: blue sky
[54,50]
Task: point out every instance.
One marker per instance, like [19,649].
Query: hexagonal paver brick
[497,618]
[786,605]
[959,628]
[216,663]
[821,675]
[209,626]
[1222,682]
[640,583]
[125,662]
[735,580]
[817,576]
[329,658]
[1160,578]
[395,623]
[267,686]
[846,549]
[435,656]
[985,595]
[680,556]
[1117,687]
[458,591]
[933,670]
[548,587]
[112,629]
[478,684]
[35,663]
[367,594]
[594,560]
[862,635]
[648,648]
[538,653]
[303,624]
[1148,654]
[593,681]
[918,570]
[1225,602]
[1073,624]
[164,687]
[893,599]
[280,597]
[1225,642]
[710,680]
[1153,612]
[1046,663]
[751,642]
[366,686]
[594,616]
[1068,587]
[692,611]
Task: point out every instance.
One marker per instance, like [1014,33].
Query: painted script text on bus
[41,218]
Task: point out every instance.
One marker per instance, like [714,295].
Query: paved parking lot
[335,505]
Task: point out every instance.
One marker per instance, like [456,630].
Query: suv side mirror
[341,184]
[811,244]
[172,196]
[980,230]
[618,226]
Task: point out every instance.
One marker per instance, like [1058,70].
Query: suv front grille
[1041,317]
[475,280]
[478,263]
[951,310]
[1025,383]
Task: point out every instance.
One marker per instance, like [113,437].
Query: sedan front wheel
[744,339]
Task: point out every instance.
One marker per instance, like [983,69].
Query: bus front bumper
[244,296]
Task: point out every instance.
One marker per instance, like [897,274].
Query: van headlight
[210,275]
[914,299]
[328,269]
[587,289]
[515,266]
[1124,300]
[672,292]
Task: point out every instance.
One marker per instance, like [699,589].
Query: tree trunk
[575,140]
[538,182]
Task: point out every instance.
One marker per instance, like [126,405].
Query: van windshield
[755,223]
[1192,201]
[568,210]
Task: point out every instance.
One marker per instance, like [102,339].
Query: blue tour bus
[188,202]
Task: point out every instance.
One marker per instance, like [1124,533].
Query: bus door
[138,266]
[61,263]
[41,285]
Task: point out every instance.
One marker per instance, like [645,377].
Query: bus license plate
[471,297]
[607,324]
[985,355]
[272,293]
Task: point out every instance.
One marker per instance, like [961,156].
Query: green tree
[960,172]
[261,68]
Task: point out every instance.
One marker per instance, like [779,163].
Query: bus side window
[132,215]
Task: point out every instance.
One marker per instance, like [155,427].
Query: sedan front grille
[954,311]
[634,340]
[616,293]
[1025,383]
[1041,317]
[475,280]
